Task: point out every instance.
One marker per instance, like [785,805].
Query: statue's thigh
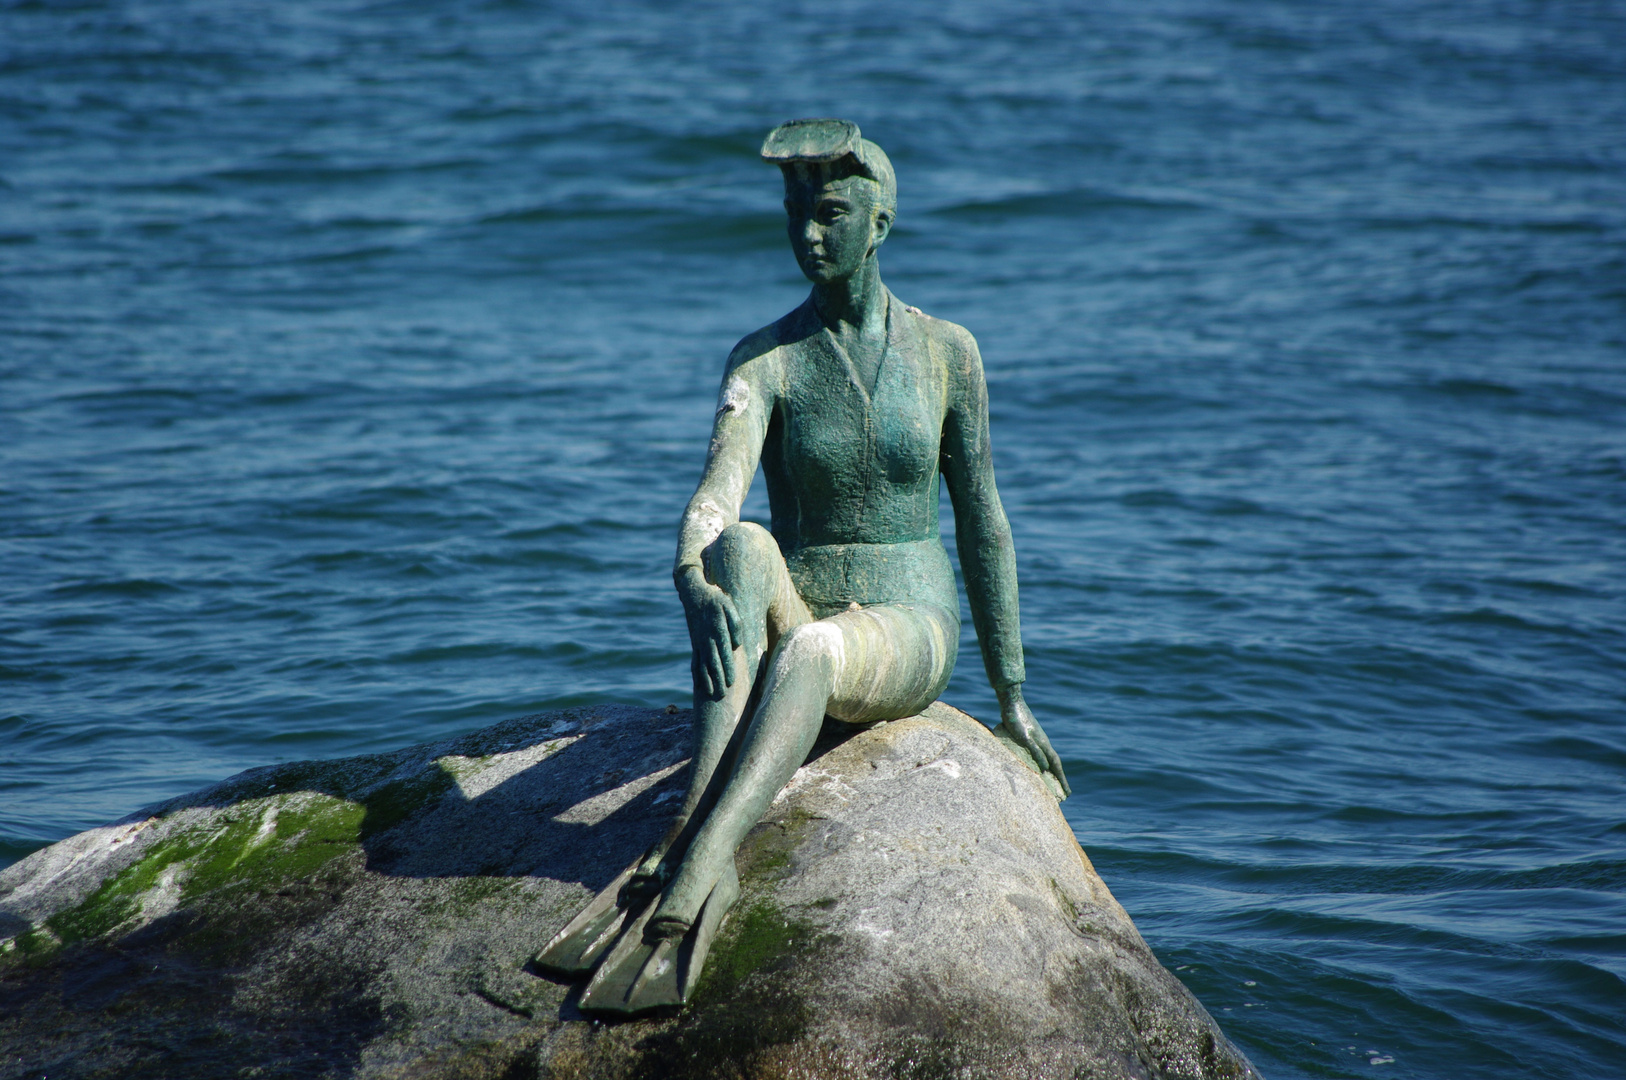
[896,659]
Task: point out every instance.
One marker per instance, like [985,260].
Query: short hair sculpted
[884,177]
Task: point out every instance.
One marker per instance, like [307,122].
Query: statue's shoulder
[950,340]
[764,349]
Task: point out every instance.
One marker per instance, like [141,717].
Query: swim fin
[577,948]
[639,975]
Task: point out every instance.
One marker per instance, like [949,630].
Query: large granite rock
[914,906]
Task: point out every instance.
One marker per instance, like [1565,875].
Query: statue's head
[840,194]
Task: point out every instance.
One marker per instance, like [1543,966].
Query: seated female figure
[853,405]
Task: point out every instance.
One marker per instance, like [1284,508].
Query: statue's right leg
[745,562]
[859,665]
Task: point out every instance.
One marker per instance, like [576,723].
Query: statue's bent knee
[741,555]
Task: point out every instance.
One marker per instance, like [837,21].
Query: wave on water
[357,361]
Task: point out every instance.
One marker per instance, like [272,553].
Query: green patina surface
[858,409]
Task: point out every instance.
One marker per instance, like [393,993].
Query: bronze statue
[853,404]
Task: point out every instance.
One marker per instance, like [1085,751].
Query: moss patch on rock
[750,1003]
[393,802]
[248,849]
[765,856]
[749,1019]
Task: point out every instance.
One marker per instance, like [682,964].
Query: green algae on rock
[912,905]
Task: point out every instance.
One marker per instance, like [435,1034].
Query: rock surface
[914,906]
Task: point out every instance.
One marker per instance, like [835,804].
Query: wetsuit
[852,477]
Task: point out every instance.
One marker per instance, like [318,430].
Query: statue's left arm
[987,554]
[743,405]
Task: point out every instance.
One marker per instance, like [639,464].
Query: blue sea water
[356,361]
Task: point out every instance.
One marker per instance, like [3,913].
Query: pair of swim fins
[633,974]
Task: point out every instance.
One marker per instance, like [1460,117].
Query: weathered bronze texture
[853,405]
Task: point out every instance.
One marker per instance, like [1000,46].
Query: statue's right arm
[744,404]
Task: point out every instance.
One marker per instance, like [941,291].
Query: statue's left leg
[875,663]
[745,562]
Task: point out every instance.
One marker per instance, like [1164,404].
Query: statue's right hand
[714,633]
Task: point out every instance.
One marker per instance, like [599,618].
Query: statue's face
[831,222]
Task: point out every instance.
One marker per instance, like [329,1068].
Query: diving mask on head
[823,141]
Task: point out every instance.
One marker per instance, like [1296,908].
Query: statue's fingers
[1061,773]
[736,631]
[714,667]
[1051,758]
[1040,752]
[725,649]
[1024,731]
[702,668]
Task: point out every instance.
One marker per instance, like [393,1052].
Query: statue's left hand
[714,632]
[1018,725]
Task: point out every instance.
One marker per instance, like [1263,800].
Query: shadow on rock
[274,921]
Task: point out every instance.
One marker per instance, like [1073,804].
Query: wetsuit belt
[834,575]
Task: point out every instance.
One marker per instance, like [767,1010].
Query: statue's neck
[854,311]
[854,308]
